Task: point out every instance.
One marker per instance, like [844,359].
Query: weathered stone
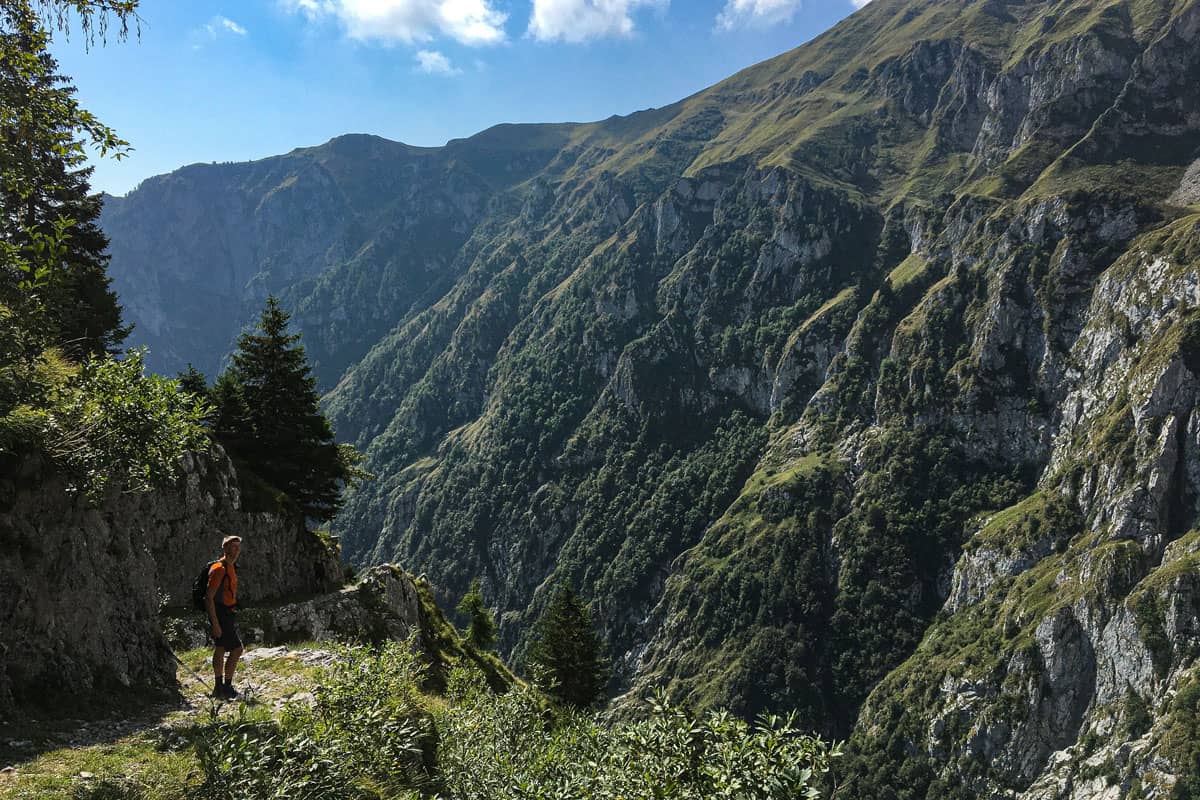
[83,585]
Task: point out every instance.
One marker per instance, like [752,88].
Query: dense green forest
[380,726]
[861,383]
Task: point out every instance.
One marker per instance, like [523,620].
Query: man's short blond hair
[225,542]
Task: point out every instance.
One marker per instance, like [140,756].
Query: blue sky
[233,81]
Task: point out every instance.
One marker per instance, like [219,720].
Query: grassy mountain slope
[763,371]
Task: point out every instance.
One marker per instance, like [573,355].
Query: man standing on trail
[221,600]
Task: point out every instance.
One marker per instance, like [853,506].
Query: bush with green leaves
[365,736]
[111,422]
[369,709]
[256,761]
[510,746]
[100,422]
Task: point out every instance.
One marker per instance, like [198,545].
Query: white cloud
[579,20]
[218,25]
[432,62]
[860,3]
[309,8]
[471,22]
[756,13]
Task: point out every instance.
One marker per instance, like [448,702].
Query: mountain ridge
[801,381]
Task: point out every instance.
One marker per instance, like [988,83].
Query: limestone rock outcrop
[81,586]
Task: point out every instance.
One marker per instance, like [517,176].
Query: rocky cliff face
[280,557]
[359,223]
[83,585]
[1064,658]
[861,383]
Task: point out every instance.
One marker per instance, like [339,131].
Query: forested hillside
[861,383]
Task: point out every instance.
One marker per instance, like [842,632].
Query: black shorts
[230,638]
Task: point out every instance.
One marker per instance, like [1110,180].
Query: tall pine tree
[568,649]
[269,418]
[48,213]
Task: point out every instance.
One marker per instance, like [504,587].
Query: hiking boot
[228,692]
[218,691]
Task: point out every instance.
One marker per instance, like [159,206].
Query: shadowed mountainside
[862,382]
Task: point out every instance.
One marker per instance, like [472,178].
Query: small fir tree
[567,648]
[269,417]
[193,382]
[481,628]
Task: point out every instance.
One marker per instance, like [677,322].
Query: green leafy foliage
[366,737]
[98,419]
[508,746]
[113,423]
[260,760]
[54,260]
[372,734]
[101,422]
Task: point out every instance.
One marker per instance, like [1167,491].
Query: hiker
[221,601]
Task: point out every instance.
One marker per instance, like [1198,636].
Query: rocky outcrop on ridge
[383,603]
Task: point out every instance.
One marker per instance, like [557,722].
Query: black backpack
[200,587]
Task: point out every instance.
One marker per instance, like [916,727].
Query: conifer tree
[47,209]
[269,417]
[481,629]
[568,649]
[193,382]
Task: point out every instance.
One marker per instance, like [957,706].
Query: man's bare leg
[231,663]
[218,662]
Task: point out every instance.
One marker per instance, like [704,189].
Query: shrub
[249,761]
[365,736]
[369,735]
[113,423]
[508,746]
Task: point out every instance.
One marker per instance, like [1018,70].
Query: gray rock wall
[81,587]
[78,600]
[280,558]
[382,604]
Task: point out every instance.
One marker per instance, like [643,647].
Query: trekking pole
[193,672]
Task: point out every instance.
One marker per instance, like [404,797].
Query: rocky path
[50,758]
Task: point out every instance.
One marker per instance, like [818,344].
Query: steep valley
[862,383]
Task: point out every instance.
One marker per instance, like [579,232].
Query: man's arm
[210,604]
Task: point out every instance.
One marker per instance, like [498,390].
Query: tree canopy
[568,650]
[269,418]
[481,628]
[63,394]
[53,256]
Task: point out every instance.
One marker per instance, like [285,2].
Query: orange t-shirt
[227,595]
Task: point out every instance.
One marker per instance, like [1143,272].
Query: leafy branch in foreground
[506,746]
[113,423]
[370,732]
